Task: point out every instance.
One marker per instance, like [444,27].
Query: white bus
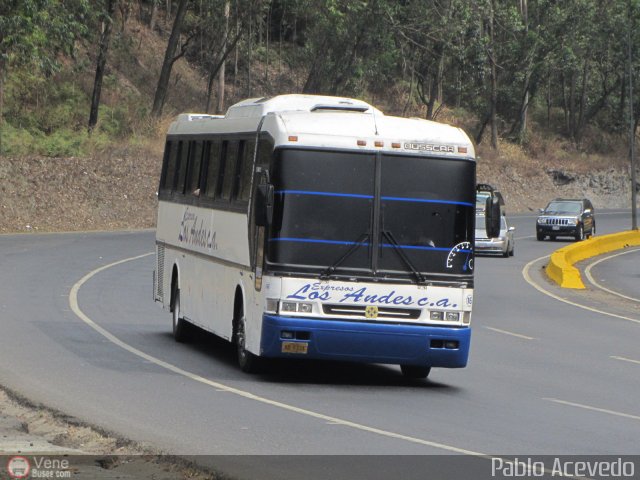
[316,227]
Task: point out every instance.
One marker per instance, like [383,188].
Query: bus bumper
[420,345]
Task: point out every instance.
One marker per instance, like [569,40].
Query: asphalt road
[545,375]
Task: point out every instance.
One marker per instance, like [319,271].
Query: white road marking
[73,303]
[593,409]
[587,272]
[509,333]
[529,280]
[624,359]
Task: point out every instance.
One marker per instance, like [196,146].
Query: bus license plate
[295,347]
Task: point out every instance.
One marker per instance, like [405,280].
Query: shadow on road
[313,372]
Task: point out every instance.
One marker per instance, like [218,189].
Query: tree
[103,48]
[221,75]
[429,46]
[170,58]
[33,32]
[343,43]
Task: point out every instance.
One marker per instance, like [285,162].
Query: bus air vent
[383,312]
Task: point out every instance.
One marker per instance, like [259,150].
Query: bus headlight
[299,307]
[444,316]
[305,307]
[288,306]
[452,316]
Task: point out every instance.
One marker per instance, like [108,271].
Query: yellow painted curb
[560,268]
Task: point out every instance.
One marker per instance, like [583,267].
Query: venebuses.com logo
[38,467]
[18,467]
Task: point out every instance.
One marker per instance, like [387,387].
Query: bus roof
[331,122]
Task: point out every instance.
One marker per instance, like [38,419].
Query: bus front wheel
[179,324]
[249,363]
[414,371]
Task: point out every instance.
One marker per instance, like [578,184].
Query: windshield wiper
[389,236]
[332,268]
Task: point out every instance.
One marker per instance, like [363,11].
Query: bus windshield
[371,215]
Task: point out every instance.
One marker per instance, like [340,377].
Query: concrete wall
[560,268]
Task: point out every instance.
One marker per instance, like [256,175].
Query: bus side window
[169,170]
[229,170]
[182,167]
[246,171]
[265,151]
[195,163]
[212,168]
[235,187]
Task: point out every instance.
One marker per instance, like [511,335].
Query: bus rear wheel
[180,326]
[414,371]
[249,363]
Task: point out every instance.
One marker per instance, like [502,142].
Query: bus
[302,226]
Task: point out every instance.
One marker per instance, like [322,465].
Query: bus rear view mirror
[264,205]
[492,217]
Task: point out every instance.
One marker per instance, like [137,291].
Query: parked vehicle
[485,191]
[566,218]
[503,244]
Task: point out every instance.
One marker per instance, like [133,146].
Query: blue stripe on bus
[370,197]
[417,247]
[324,194]
[364,244]
[423,200]
[314,240]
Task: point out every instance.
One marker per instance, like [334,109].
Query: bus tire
[180,327]
[415,371]
[248,362]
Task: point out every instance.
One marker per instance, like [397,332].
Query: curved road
[545,376]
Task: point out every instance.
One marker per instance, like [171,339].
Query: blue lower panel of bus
[365,342]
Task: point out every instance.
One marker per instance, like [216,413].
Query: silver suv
[566,217]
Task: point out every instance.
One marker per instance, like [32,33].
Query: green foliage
[44,104]
[61,143]
[569,59]
[35,31]
[15,141]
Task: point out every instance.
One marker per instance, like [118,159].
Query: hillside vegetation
[541,86]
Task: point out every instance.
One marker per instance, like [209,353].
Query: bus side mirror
[492,217]
[264,205]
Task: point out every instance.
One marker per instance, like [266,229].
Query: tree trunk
[313,83]
[493,80]
[583,103]
[2,66]
[105,38]
[268,42]
[572,104]
[524,108]
[154,15]
[623,98]
[167,64]
[250,60]
[549,100]
[481,128]
[435,88]
[222,57]
[223,53]
[221,73]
